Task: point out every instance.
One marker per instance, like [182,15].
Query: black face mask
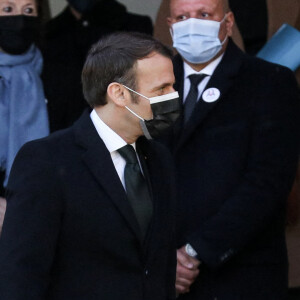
[17,33]
[165,109]
[164,116]
[84,6]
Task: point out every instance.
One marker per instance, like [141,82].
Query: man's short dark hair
[113,59]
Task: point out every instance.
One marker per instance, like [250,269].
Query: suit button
[146,272]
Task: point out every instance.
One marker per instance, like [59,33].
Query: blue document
[283,48]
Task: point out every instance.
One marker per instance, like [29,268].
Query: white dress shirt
[208,70]
[113,142]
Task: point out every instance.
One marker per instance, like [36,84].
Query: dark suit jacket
[70,232]
[236,159]
[65,47]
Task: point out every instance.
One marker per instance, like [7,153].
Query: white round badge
[211,95]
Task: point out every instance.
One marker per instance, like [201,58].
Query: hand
[187,271]
[2,211]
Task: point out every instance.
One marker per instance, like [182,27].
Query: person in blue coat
[23,111]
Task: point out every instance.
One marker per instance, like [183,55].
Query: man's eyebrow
[163,85]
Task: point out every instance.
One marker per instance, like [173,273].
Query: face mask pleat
[197,40]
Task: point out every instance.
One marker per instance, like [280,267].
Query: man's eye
[204,15]
[181,18]
[7,9]
[160,91]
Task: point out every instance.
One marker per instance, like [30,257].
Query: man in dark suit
[70,230]
[236,150]
[67,39]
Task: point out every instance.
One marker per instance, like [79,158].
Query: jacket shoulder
[48,149]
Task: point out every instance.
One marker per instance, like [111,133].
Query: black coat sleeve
[31,226]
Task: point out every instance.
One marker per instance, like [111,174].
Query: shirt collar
[209,69]
[111,139]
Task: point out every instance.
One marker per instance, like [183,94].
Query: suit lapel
[98,160]
[222,79]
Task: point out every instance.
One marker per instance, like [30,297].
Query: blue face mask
[197,40]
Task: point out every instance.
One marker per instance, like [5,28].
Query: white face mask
[166,110]
[197,40]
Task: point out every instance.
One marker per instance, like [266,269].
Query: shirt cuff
[190,250]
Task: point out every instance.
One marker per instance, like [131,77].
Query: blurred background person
[67,40]
[249,35]
[257,21]
[23,111]
[240,133]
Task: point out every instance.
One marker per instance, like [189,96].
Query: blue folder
[283,48]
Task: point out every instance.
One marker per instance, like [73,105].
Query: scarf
[23,111]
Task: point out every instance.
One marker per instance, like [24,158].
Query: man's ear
[229,23]
[118,94]
[169,22]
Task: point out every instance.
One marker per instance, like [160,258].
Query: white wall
[144,7]
[56,6]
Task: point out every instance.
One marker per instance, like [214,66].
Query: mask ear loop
[129,108]
[224,18]
[135,92]
[134,113]
[142,121]
[171,32]
[226,37]
[146,131]
[139,95]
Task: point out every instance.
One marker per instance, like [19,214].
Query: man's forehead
[152,59]
[155,68]
[197,4]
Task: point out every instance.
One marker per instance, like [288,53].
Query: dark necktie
[192,96]
[136,188]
